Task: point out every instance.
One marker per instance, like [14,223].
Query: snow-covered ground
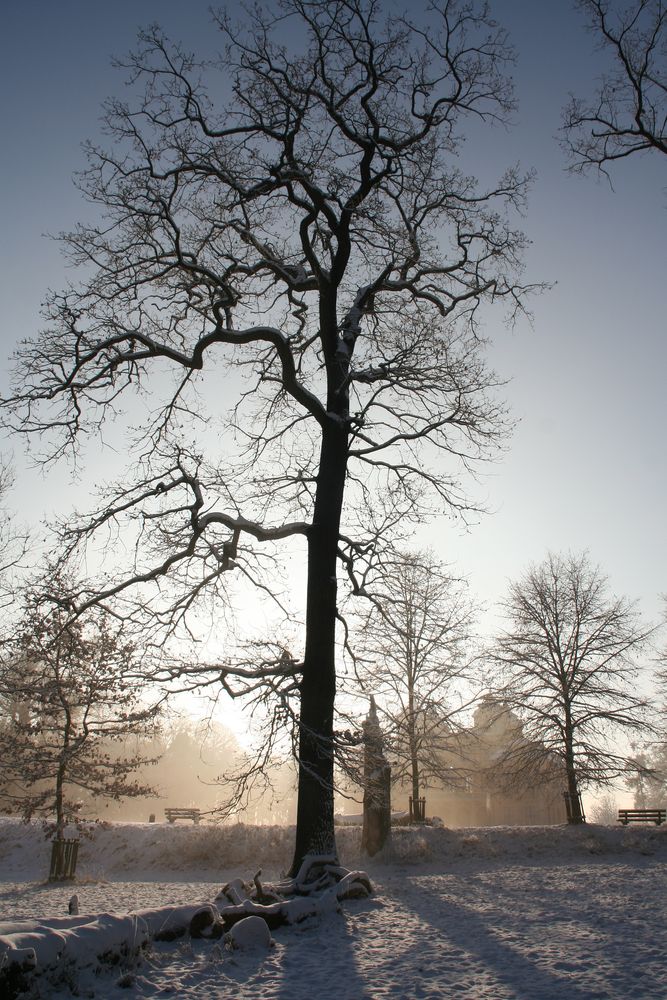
[525,913]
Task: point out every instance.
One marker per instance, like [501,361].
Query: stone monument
[377,785]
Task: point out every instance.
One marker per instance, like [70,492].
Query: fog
[196,762]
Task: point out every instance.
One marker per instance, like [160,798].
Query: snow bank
[59,948]
[209,852]
[516,844]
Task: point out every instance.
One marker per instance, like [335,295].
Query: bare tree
[629,112]
[605,810]
[68,703]
[569,666]
[646,775]
[300,233]
[415,640]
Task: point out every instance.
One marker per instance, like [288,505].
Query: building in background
[498,777]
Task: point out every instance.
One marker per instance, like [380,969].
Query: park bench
[656,816]
[174,814]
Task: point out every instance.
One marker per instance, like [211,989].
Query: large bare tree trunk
[315,808]
[575,814]
[412,736]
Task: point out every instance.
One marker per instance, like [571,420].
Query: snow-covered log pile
[243,913]
[317,888]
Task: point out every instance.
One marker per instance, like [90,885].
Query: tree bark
[575,814]
[315,808]
[59,804]
[414,757]
[61,774]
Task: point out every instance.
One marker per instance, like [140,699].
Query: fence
[63,859]
[417,810]
[572,817]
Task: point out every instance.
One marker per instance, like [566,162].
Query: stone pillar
[377,786]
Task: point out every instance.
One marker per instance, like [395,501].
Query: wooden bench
[656,816]
[174,814]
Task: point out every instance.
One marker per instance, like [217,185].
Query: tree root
[320,885]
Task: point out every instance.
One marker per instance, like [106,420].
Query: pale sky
[586,466]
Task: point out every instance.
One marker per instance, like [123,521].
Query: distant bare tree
[629,112]
[568,662]
[67,699]
[605,810]
[646,776]
[415,642]
[301,234]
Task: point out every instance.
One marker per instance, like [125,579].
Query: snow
[487,914]
[251,932]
